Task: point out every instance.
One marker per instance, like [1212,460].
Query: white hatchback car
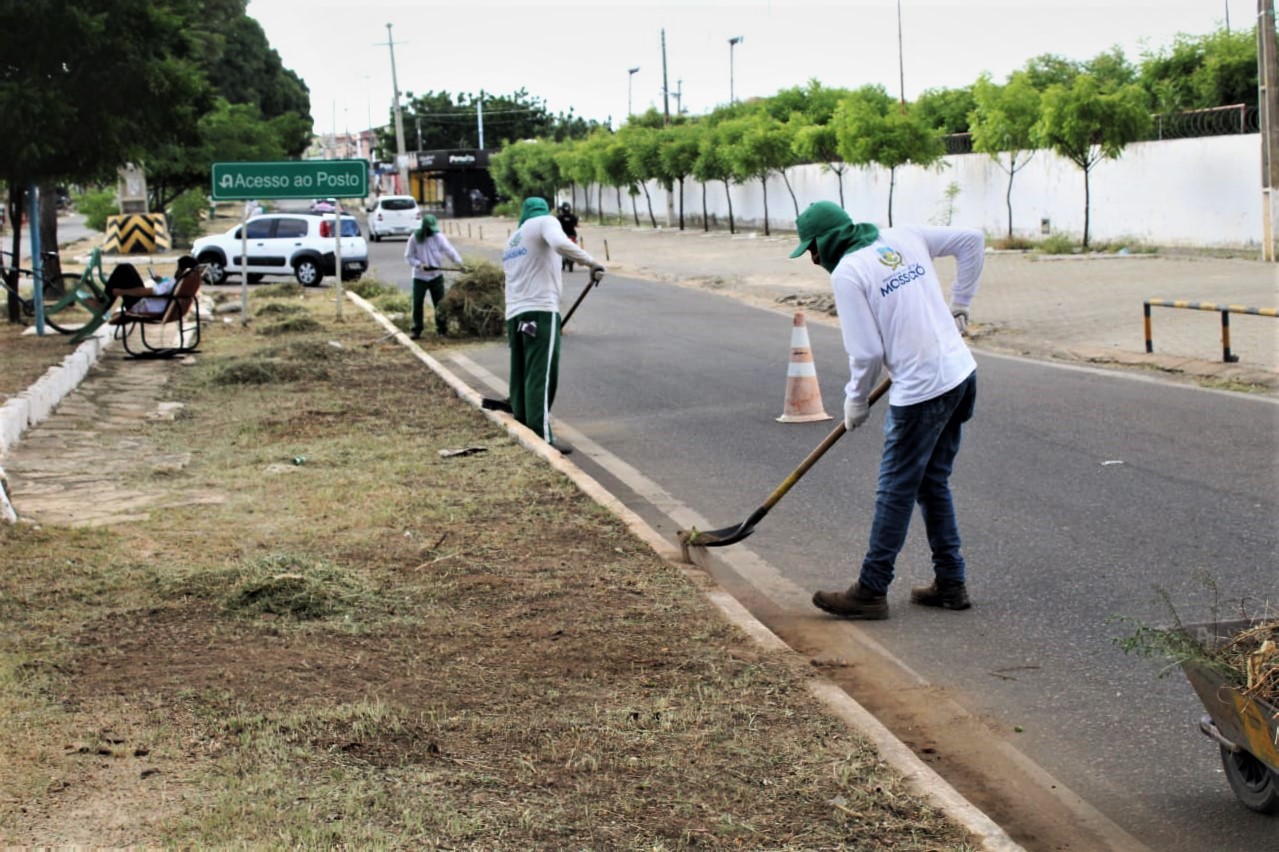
[394,216]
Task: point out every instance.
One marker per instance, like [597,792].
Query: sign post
[291,179]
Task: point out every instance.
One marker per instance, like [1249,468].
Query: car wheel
[216,266]
[307,271]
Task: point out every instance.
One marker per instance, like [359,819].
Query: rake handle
[820,450]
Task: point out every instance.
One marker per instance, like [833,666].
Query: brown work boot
[854,603]
[946,594]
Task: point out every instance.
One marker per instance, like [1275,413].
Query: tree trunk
[839,173]
[681,204]
[601,203]
[764,183]
[1008,198]
[635,208]
[791,190]
[649,200]
[1086,209]
[892,181]
[15,217]
[706,219]
[620,214]
[49,226]
[732,229]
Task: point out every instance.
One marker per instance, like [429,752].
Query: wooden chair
[176,324]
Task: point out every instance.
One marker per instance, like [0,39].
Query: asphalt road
[1085,497]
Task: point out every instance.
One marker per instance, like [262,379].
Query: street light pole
[401,161]
[732,43]
[630,77]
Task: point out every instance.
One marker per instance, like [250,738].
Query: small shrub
[507,209]
[1056,244]
[1013,243]
[370,288]
[475,306]
[97,205]
[186,217]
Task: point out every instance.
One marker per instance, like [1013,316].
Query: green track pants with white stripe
[534,340]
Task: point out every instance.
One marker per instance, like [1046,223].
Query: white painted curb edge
[917,774]
[31,406]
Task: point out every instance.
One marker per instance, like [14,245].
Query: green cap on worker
[817,219]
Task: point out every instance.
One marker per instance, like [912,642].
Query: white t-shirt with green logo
[531,261]
[893,314]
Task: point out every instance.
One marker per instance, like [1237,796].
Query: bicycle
[71,300]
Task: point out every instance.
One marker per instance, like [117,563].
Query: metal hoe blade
[732,535]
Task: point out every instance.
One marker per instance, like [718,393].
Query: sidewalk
[1084,309]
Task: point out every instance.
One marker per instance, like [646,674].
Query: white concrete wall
[1203,192]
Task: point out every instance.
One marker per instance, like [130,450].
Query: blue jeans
[920,444]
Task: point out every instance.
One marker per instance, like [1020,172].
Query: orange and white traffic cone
[803,394]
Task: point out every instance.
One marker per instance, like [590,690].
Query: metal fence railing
[1224,310]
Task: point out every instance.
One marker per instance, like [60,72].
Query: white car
[394,216]
[297,244]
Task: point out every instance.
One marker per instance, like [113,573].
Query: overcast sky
[577,55]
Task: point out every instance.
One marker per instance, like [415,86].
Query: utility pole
[679,97]
[479,117]
[666,120]
[732,43]
[1268,100]
[401,160]
[666,92]
[901,62]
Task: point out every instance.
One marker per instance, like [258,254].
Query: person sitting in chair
[136,296]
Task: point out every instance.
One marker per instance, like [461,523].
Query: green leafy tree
[946,110]
[873,128]
[442,121]
[644,158]
[1003,122]
[576,167]
[526,169]
[713,163]
[615,170]
[763,147]
[1201,72]
[69,91]
[1049,69]
[1086,125]
[818,143]
[679,152]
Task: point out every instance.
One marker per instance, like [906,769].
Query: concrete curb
[37,402]
[921,778]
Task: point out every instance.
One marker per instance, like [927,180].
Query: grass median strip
[367,643]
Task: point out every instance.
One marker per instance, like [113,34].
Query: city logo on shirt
[890,258]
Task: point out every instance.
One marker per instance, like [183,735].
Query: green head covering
[430,227]
[826,224]
[534,207]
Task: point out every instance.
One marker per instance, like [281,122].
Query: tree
[713,164]
[1003,122]
[576,167]
[88,85]
[763,146]
[680,143]
[644,159]
[1086,125]
[946,110]
[614,169]
[872,128]
[1201,72]
[818,143]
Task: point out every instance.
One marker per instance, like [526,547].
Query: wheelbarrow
[1246,729]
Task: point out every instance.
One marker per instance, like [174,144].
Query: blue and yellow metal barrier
[1224,310]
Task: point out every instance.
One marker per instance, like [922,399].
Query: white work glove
[597,272]
[855,413]
[961,319]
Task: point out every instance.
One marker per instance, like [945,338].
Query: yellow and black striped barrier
[1224,310]
[137,233]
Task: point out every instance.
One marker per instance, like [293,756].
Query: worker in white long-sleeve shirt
[425,253]
[531,262]
[893,316]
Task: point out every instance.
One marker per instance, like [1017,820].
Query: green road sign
[291,179]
